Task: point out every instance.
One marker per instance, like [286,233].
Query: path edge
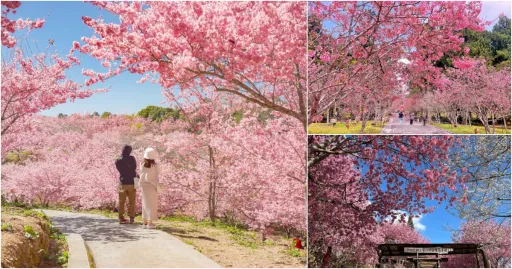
[441,129]
[77,252]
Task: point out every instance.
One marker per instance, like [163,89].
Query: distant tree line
[158,114]
[493,46]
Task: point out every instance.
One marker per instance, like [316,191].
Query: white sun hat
[150,154]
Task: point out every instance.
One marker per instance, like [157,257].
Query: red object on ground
[298,243]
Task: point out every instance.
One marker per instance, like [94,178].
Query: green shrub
[36,214]
[6,227]
[62,258]
[294,252]
[29,232]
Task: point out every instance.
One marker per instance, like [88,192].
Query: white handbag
[136,182]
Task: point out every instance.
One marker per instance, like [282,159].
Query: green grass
[466,129]
[341,128]
[240,235]
[179,218]
[89,257]
[6,227]
[295,252]
[188,242]
[34,213]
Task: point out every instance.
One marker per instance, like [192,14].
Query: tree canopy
[158,114]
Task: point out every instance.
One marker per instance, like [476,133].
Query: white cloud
[416,220]
[418,225]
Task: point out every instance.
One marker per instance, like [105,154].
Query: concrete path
[394,127]
[128,245]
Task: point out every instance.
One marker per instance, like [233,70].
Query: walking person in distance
[401,116]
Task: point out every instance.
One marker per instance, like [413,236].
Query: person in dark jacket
[126,165]
[401,116]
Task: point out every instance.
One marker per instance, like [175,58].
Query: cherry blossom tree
[487,160]
[252,50]
[31,83]
[216,169]
[494,237]
[351,43]
[9,26]
[470,88]
[485,90]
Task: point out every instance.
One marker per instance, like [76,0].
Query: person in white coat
[149,172]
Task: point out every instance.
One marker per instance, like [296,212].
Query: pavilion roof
[398,249]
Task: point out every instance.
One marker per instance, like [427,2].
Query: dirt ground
[236,248]
[20,251]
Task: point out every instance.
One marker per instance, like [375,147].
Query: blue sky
[434,225]
[492,9]
[64,25]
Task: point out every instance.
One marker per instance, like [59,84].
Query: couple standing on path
[130,181]
[401,116]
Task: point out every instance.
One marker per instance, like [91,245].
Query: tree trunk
[504,123]
[364,119]
[483,118]
[328,115]
[212,190]
[493,124]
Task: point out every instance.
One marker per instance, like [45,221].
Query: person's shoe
[132,220]
[144,226]
[123,221]
[151,226]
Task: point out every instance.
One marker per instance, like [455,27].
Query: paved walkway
[394,127]
[128,245]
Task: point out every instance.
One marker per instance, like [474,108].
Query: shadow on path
[98,229]
[182,234]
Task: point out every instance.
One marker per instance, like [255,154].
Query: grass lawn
[341,128]
[466,129]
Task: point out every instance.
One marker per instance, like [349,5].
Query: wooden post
[486,261]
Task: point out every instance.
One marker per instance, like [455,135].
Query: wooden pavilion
[429,255]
